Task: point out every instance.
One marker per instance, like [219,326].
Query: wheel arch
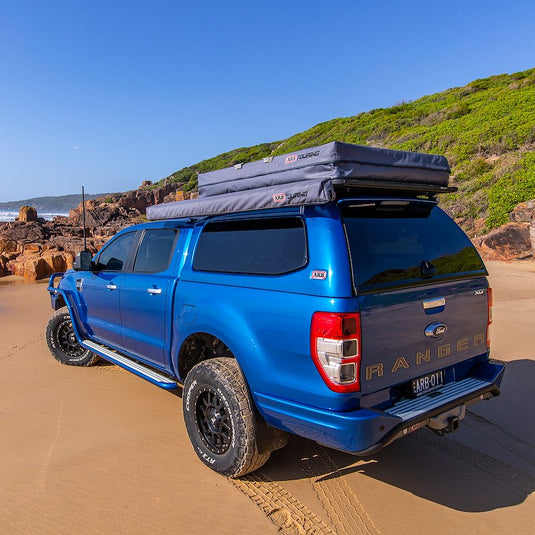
[197,347]
[73,311]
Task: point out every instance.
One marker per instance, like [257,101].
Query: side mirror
[83,261]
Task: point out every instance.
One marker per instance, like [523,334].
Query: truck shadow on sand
[488,464]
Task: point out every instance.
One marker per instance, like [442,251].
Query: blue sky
[107,93]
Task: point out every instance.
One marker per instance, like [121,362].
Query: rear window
[254,246]
[400,242]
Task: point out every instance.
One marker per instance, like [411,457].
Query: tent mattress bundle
[309,176]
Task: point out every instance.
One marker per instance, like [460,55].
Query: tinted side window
[255,246]
[155,250]
[114,256]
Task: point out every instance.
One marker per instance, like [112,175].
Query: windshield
[394,243]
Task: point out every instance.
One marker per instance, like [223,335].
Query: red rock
[7,245]
[523,212]
[3,266]
[31,248]
[508,242]
[27,213]
[36,266]
[22,233]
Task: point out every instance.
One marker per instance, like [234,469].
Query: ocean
[10,216]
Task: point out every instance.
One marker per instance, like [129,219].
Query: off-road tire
[62,341]
[220,420]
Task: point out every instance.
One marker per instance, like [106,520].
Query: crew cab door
[100,290]
[146,293]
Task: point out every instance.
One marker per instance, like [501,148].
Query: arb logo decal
[294,157]
[279,197]
[318,275]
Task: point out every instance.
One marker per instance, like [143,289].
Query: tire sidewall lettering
[188,394]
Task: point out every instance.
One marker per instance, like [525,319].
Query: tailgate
[408,333]
[421,288]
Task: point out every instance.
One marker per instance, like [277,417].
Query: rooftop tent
[309,176]
[316,191]
[336,161]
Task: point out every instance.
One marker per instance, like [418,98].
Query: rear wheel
[62,341]
[220,420]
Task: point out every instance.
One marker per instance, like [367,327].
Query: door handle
[111,286]
[154,291]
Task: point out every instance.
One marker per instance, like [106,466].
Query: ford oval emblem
[435,330]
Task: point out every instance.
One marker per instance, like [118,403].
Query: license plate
[427,383]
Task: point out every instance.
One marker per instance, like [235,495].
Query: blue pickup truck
[322,293]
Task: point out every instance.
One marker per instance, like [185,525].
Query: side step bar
[127,363]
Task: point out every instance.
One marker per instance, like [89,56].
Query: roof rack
[317,175]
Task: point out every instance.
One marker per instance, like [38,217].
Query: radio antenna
[83,217]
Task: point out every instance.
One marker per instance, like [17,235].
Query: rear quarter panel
[265,320]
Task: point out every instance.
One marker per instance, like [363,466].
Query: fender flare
[73,311]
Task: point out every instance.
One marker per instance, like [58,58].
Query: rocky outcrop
[3,265]
[514,240]
[508,242]
[37,249]
[27,213]
[523,212]
[34,248]
[40,265]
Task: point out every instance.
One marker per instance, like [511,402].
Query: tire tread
[226,372]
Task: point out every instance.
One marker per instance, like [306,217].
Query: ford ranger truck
[346,308]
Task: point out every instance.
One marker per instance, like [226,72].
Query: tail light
[489,321]
[335,341]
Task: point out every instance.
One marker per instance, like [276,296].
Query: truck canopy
[310,176]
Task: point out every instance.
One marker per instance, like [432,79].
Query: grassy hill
[486,129]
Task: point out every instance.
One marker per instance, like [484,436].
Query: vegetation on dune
[187,176]
[486,129]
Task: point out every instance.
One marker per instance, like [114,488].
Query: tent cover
[309,176]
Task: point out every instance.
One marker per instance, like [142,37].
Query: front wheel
[62,341]
[220,420]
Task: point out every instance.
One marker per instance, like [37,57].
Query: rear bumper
[364,431]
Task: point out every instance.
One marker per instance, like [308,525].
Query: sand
[98,450]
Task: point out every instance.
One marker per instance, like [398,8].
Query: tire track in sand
[285,511]
[506,473]
[512,443]
[344,509]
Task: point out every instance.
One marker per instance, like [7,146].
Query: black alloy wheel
[63,344]
[66,339]
[214,421]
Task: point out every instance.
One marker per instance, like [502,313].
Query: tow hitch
[447,422]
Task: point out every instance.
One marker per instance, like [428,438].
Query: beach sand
[98,450]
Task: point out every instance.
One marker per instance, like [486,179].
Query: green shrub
[511,189]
